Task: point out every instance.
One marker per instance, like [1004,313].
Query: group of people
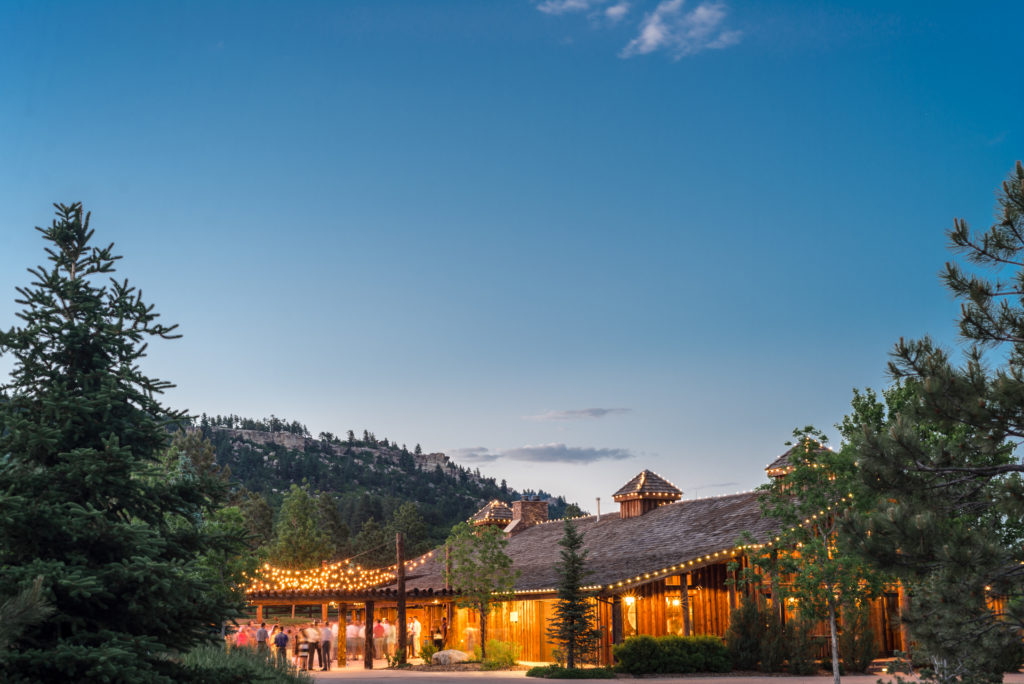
[300,646]
[304,645]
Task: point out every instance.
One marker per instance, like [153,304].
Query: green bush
[501,655]
[559,672]
[427,651]
[671,655]
[857,639]
[746,629]
[215,665]
[802,649]
[774,643]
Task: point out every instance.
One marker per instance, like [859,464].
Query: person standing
[261,639]
[444,631]
[338,641]
[351,635]
[389,638]
[281,641]
[242,638]
[378,639]
[417,628]
[313,637]
[302,645]
[325,647]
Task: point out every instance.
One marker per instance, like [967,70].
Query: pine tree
[299,538]
[940,457]
[84,502]
[573,627]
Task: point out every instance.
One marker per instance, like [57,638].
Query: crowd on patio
[315,645]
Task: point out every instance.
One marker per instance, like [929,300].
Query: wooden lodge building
[659,566]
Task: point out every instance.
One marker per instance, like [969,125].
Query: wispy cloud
[567,6]
[577,414]
[473,455]
[682,33]
[541,453]
[617,11]
[714,485]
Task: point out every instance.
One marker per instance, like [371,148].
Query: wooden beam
[616,619]
[684,602]
[400,576]
[368,638]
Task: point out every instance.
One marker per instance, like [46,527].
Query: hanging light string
[338,576]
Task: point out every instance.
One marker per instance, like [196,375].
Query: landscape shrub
[216,665]
[671,655]
[746,629]
[774,643]
[856,639]
[559,672]
[427,651]
[501,655]
[802,648]
[637,655]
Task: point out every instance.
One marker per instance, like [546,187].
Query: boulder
[448,657]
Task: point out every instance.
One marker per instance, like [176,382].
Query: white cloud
[681,33]
[617,11]
[566,6]
[541,453]
[576,414]
[473,455]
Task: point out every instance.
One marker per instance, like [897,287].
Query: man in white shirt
[416,629]
[351,637]
[325,647]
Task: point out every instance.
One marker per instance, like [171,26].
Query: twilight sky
[561,240]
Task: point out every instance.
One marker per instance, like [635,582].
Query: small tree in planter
[480,571]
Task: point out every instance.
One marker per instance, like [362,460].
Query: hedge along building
[659,565]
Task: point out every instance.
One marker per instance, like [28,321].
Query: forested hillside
[361,489]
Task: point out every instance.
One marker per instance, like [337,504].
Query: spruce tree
[940,457]
[84,501]
[575,612]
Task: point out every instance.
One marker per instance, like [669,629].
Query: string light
[341,576]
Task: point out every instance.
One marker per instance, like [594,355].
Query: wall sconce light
[628,600]
[513,616]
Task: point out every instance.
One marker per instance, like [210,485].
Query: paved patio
[353,675]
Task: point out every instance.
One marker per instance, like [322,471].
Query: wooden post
[293,611]
[684,602]
[904,603]
[733,602]
[616,619]
[368,638]
[259,613]
[323,612]
[400,575]
[776,594]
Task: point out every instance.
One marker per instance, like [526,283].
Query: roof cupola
[494,513]
[645,492]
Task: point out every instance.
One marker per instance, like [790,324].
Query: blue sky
[471,224]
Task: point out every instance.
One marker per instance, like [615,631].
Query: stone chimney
[526,513]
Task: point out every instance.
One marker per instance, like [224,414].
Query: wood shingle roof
[620,548]
[647,482]
[495,511]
